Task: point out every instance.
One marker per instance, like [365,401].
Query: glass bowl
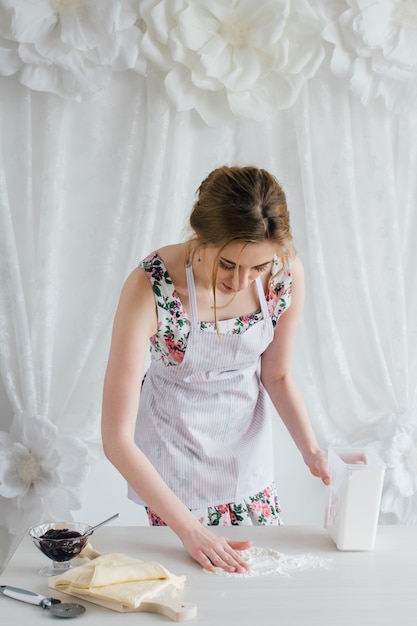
[60,542]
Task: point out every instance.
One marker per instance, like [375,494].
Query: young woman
[220,313]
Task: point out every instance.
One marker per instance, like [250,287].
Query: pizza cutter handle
[27,596]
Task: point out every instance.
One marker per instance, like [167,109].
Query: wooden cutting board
[165,604]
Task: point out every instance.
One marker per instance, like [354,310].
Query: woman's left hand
[319,466]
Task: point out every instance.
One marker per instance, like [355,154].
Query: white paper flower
[376,49]
[40,470]
[68,47]
[397,447]
[232,58]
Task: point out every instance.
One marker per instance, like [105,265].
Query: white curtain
[87,188]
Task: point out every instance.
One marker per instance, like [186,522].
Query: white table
[359,588]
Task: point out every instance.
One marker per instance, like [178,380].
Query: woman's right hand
[212,550]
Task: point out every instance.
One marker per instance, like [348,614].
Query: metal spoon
[93,528]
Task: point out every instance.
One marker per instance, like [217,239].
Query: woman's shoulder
[154,271]
[168,264]
[280,287]
[174,256]
[282,270]
[165,270]
[167,256]
[151,261]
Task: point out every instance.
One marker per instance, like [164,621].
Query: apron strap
[262,299]
[192,298]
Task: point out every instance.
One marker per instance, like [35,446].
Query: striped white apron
[205,423]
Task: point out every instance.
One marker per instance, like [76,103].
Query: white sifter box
[357,476]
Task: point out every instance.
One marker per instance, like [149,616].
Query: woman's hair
[244,204]
[241,204]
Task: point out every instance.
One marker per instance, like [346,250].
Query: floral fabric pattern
[262,509]
[169,343]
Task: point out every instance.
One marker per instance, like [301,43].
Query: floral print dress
[169,345]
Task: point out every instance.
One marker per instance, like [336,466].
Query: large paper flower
[40,470]
[376,49]
[397,447]
[232,58]
[68,47]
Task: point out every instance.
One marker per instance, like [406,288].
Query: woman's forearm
[144,479]
[288,402]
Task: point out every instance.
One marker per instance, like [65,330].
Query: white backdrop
[89,185]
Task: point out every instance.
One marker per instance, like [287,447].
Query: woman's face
[240,264]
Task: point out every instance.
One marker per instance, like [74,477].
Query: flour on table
[267,561]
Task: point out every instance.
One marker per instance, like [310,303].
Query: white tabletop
[361,588]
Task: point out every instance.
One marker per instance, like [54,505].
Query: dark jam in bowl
[61,544]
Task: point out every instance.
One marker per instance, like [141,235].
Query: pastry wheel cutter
[56,607]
